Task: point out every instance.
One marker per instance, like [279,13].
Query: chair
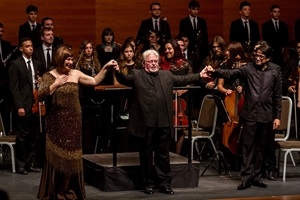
[205,127]
[283,144]
[9,140]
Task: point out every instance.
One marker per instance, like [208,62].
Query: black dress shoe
[22,171]
[243,186]
[272,176]
[166,190]
[149,190]
[259,184]
[32,169]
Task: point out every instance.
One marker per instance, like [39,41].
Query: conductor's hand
[292,89]
[111,64]
[204,73]
[276,123]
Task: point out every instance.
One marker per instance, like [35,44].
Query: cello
[232,129]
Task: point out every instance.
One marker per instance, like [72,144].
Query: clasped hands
[206,72]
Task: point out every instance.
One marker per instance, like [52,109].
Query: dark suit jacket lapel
[147,77]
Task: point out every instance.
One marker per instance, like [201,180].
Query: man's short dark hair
[23,40]
[31,8]
[244,3]
[194,4]
[154,4]
[264,47]
[44,19]
[273,7]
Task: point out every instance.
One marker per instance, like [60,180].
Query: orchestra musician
[261,111]
[108,50]
[195,28]
[5,52]
[155,23]
[22,82]
[88,63]
[290,75]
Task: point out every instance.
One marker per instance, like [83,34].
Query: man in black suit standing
[196,29]
[45,52]
[155,23]
[47,22]
[22,82]
[151,117]
[5,49]
[275,33]
[31,28]
[245,30]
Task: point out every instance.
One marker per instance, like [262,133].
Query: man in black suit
[245,30]
[5,50]
[47,22]
[261,110]
[22,82]
[31,28]
[151,117]
[155,23]
[45,52]
[196,29]
[275,33]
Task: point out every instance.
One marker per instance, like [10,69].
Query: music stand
[221,107]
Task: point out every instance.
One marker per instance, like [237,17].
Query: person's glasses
[261,56]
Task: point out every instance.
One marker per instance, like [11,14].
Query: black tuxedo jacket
[147,25]
[185,26]
[144,90]
[38,54]
[275,39]
[35,36]
[238,32]
[20,83]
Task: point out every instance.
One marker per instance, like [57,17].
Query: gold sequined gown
[63,169]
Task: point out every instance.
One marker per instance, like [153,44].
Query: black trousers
[26,141]
[254,137]
[157,140]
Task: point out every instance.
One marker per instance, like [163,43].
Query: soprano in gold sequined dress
[63,168]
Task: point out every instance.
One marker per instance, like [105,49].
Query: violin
[179,106]
[294,76]
[38,107]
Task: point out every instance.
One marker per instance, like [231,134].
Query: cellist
[231,90]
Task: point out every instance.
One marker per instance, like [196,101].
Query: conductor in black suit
[22,81]
[196,29]
[151,117]
[155,23]
[245,30]
[275,33]
[31,28]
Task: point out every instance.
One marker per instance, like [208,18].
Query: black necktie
[48,59]
[33,27]
[194,24]
[276,26]
[156,25]
[184,55]
[247,30]
[29,69]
